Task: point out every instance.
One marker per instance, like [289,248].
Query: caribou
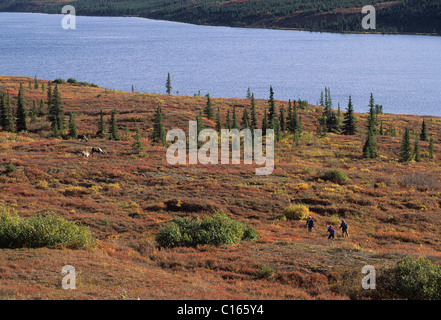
[96,150]
[83,138]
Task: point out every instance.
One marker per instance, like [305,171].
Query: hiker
[331,232]
[310,223]
[344,228]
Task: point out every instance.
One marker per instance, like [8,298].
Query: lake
[402,71]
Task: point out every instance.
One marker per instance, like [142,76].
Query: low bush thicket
[215,230]
[41,231]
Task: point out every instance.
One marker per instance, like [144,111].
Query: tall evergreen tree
[249,93]
[168,85]
[22,114]
[41,108]
[416,150]
[372,117]
[113,126]
[218,121]
[349,123]
[209,112]
[137,145]
[272,107]
[431,149]
[322,102]
[73,132]
[159,132]
[200,123]
[424,136]
[101,132]
[228,121]
[56,112]
[49,97]
[253,120]
[264,123]
[370,146]
[35,82]
[2,110]
[34,112]
[406,147]
[245,123]
[282,119]
[295,124]
[235,122]
[6,114]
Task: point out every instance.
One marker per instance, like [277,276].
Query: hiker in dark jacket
[331,232]
[310,224]
[344,229]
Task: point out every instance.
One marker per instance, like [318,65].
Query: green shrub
[10,167]
[214,230]
[72,80]
[336,176]
[265,272]
[296,212]
[41,231]
[59,81]
[414,279]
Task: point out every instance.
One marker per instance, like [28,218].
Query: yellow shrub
[75,191]
[296,212]
[42,184]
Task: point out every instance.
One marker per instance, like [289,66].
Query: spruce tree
[7,114]
[424,135]
[282,119]
[35,82]
[264,123]
[372,117]
[113,126]
[73,132]
[101,126]
[431,149]
[370,146]
[137,145]
[56,112]
[406,147]
[200,123]
[2,110]
[416,151]
[272,107]
[218,121]
[209,112]
[295,125]
[21,115]
[228,121]
[168,85]
[159,132]
[49,97]
[249,93]
[34,112]
[253,120]
[41,108]
[349,123]
[245,123]
[235,122]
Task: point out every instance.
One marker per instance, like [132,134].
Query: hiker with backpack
[331,232]
[344,228]
[310,224]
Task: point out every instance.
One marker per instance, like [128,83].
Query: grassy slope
[401,16]
[122,198]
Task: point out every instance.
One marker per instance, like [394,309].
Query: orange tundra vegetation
[392,208]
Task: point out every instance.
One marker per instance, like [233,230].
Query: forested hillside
[405,16]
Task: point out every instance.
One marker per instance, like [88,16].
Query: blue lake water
[402,71]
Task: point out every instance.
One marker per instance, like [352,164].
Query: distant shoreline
[242,27]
